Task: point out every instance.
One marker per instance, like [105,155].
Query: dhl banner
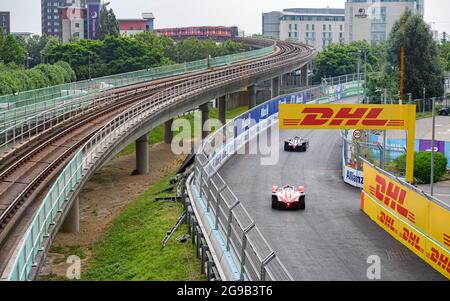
[353,116]
[419,223]
[411,206]
[419,243]
[347,116]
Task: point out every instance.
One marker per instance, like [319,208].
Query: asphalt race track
[332,239]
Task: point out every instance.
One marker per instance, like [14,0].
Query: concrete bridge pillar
[222,107]
[304,76]
[275,87]
[142,159]
[205,109]
[251,97]
[168,135]
[72,222]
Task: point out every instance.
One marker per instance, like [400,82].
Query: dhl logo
[327,116]
[447,240]
[392,196]
[387,221]
[412,239]
[441,260]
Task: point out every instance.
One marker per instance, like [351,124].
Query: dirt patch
[103,198]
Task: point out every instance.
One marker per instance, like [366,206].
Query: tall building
[73,23]
[51,17]
[318,27]
[5,22]
[271,24]
[65,19]
[372,20]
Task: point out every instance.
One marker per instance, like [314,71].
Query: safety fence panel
[51,206]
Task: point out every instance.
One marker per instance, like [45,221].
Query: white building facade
[315,29]
[372,20]
[318,27]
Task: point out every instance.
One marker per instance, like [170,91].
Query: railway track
[26,177]
[55,149]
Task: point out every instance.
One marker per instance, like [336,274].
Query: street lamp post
[359,80]
[432,147]
[359,55]
[365,72]
[90,78]
[423,104]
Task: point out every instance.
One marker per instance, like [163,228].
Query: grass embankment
[131,249]
[157,134]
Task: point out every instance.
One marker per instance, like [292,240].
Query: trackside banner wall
[249,124]
[420,224]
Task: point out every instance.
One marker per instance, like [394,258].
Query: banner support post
[410,144]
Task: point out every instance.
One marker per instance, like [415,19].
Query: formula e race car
[296,144]
[288,197]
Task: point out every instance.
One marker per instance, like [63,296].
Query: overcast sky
[25,14]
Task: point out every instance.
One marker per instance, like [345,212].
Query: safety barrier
[252,256]
[353,150]
[31,111]
[86,160]
[414,218]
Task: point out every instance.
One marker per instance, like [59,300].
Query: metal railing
[248,247]
[18,125]
[243,239]
[382,156]
[85,160]
[64,91]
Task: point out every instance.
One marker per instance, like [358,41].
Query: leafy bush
[15,79]
[422,166]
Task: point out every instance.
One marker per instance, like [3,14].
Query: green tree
[444,55]
[335,60]
[108,23]
[422,68]
[11,51]
[35,45]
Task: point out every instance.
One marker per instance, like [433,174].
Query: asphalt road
[332,239]
[424,129]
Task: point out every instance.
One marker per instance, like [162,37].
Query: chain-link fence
[423,105]
[387,157]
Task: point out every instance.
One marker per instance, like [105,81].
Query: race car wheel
[274,202]
[302,203]
[286,147]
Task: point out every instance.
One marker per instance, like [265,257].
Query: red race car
[288,197]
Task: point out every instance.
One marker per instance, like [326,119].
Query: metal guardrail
[20,124]
[257,260]
[243,239]
[20,266]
